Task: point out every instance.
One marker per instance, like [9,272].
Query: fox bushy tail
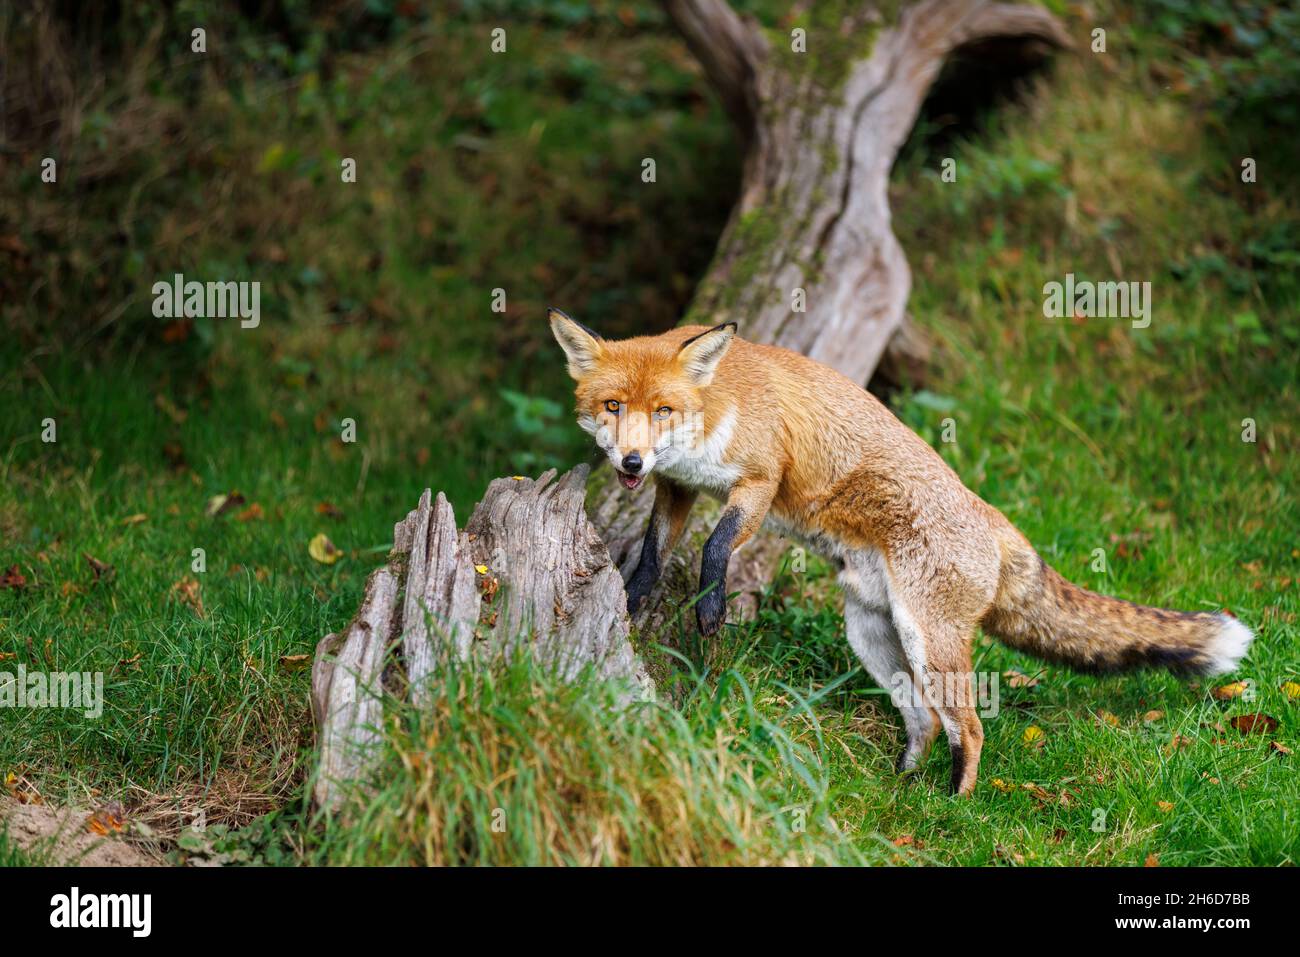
[1038,611]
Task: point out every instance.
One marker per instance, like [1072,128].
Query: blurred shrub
[1245,54]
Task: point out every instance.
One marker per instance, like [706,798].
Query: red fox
[922,559]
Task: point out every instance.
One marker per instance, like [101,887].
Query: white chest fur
[703,467]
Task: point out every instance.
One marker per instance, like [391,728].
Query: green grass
[11,856]
[518,172]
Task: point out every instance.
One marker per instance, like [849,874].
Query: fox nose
[632,463]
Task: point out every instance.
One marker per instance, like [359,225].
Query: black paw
[637,590]
[711,612]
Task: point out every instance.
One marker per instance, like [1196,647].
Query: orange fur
[924,560]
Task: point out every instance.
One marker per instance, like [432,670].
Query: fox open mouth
[629,481]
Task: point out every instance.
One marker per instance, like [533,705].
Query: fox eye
[611,405]
[663,412]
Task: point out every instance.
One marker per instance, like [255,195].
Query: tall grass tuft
[509,765]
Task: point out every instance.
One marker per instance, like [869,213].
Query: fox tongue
[629,481]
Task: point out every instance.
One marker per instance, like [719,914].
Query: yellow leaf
[1165,806]
[481,569]
[1292,690]
[1033,736]
[1105,717]
[1003,786]
[1229,691]
[323,550]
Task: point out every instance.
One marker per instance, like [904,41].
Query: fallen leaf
[1106,718]
[1033,736]
[1254,723]
[169,409]
[21,790]
[329,510]
[481,569]
[220,504]
[174,454]
[1040,792]
[1007,854]
[13,578]
[104,572]
[1016,679]
[249,514]
[294,662]
[109,819]
[323,550]
[1229,691]
[187,591]
[1165,806]
[1152,716]
[1151,861]
[1291,689]
[177,331]
[1280,748]
[907,840]
[1002,786]
[135,519]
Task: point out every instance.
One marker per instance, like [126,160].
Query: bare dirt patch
[61,836]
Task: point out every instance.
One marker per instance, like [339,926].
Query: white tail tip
[1228,646]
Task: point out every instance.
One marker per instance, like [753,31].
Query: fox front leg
[747,506]
[667,519]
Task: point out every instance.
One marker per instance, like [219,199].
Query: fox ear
[701,354]
[580,344]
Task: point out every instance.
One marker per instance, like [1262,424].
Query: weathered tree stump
[528,573]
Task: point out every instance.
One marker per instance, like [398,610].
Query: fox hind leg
[873,639]
[943,650]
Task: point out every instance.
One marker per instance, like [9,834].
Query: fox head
[641,399]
